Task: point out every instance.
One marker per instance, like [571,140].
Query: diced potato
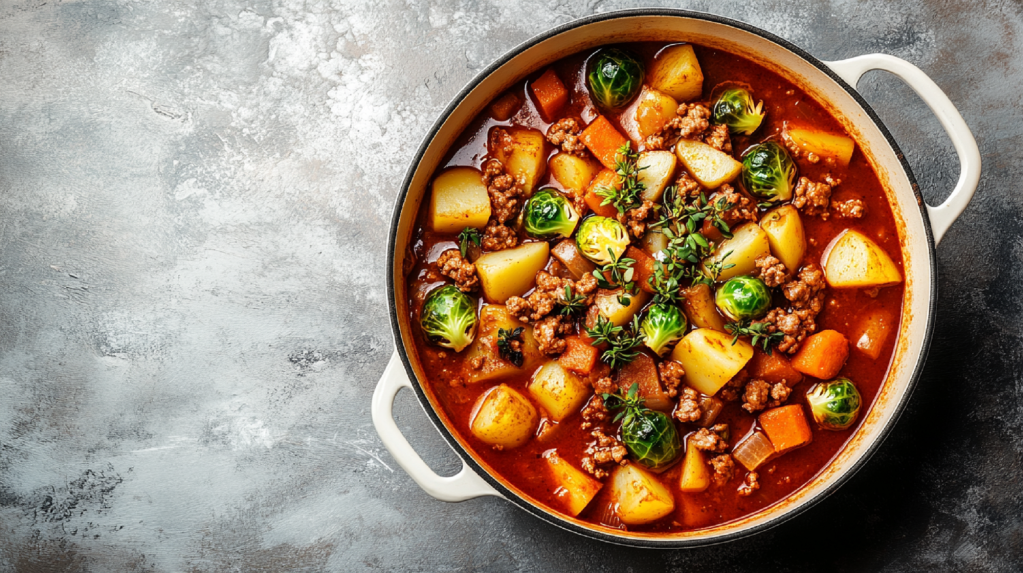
[558,391]
[785,234]
[526,158]
[640,496]
[827,145]
[710,167]
[573,172]
[503,417]
[695,473]
[494,317]
[854,261]
[872,331]
[458,200]
[511,272]
[654,241]
[575,488]
[568,254]
[710,359]
[698,303]
[642,371]
[609,307]
[648,114]
[658,168]
[747,243]
[753,451]
[676,72]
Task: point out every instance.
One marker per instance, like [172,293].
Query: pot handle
[459,487]
[941,216]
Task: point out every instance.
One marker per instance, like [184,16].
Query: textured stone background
[193,207]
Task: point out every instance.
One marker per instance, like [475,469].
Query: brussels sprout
[601,239]
[735,109]
[663,326]
[614,78]
[449,318]
[743,298]
[649,436]
[548,213]
[769,172]
[834,404]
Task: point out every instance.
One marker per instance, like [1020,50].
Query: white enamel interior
[916,249]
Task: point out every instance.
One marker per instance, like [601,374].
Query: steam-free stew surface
[844,310]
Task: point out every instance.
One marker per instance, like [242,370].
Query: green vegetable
[601,239]
[834,404]
[626,195]
[468,236]
[743,298]
[663,326]
[548,213]
[449,318]
[621,343]
[650,436]
[769,172]
[615,77]
[759,333]
[735,109]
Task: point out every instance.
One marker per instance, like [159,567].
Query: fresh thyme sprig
[617,273]
[758,331]
[468,235]
[506,347]
[621,342]
[678,213]
[572,303]
[625,195]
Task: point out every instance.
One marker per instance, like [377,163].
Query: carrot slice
[606,178]
[551,95]
[786,427]
[603,140]
[643,268]
[822,355]
[579,355]
[773,368]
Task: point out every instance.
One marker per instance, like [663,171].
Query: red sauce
[524,466]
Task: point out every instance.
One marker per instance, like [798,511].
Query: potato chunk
[827,145]
[872,331]
[658,168]
[747,243]
[676,72]
[458,199]
[648,114]
[575,488]
[503,417]
[559,392]
[710,167]
[698,302]
[526,157]
[573,172]
[639,496]
[785,234]
[494,317]
[710,359]
[511,272]
[854,261]
[695,473]
[642,371]
[619,315]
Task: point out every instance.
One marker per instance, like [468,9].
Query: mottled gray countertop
[194,197]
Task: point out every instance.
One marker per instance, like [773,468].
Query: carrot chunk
[603,140]
[643,268]
[606,178]
[773,368]
[551,95]
[786,427]
[822,354]
[579,355]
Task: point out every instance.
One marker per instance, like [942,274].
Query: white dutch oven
[921,227]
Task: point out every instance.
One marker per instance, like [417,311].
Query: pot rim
[592,532]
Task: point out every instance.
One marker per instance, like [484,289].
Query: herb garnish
[506,346]
[468,235]
[758,331]
[621,342]
[627,196]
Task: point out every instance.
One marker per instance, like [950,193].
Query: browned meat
[813,198]
[505,191]
[718,138]
[549,333]
[690,123]
[687,186]
[452,265]
[595,412]
[807,290]
[549,291]
[770,270]
[732,390]
[602,452]
[604,385]
[756,395]
[710,440]
[806,296]
[497,236]
[796,151]
[750,484]
[635,219]
[742,207]
[671,376]
[688,409]
[850,208]
[565,134]
[779,394]
[724,468]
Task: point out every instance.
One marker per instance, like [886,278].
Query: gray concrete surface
[193,207]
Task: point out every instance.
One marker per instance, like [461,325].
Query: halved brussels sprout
[834,405]
[549,213]
[769,172]
[449,318]
[663,326]
[601,239]
[649,435]
[743,298]
[735,109]
[615,77]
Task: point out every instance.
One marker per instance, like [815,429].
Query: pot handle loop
[941,216]
[459,487]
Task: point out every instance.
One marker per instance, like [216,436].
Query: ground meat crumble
[813,198]
[687,186]
[549,333]
[806,296]
[760,394]
[688,409]
[548,292]
[504,190]
[849,209]
[770,270]
[750,484]
[742,207]
[452,265]
[710,440]
[497,236]
[671,373]
[718,138]
[692,121]
[796,151]
[635,219]
[595,412]
[724,468]
[565,134]
[603,451]
[732,390]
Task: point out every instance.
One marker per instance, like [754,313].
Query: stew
[654,287]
